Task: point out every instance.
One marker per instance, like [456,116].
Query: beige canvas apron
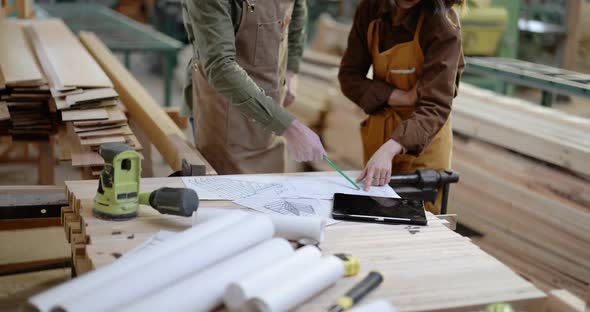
[226,137]
[401,66]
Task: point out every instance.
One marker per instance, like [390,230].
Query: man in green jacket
[246,56]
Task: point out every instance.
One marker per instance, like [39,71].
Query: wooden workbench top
[426,268]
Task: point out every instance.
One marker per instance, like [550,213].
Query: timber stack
[78,102]
[524,172]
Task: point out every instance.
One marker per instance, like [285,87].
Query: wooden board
[17,62]
[71,63]
[4,113]
[115,116]
[436,256]
[538,132]
[102,140]
[20,249]
[90,95]
[158,126]
[85,114]
[105,132]
[98,128]
[82,156]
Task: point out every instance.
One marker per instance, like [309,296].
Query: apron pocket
[268,39]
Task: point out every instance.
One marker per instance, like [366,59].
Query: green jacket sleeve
[212,27]
[297,36]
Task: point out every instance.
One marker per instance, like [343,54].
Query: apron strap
[419,26]
[372,39]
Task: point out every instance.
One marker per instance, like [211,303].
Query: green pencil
[341,173]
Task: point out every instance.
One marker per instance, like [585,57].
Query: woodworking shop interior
[295,155]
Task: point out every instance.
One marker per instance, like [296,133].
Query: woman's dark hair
[441,7]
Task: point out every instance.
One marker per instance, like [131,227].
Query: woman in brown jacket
[414,47]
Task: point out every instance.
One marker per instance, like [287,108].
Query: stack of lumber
[24,93]
[538,132]
[82,93]
[534,216]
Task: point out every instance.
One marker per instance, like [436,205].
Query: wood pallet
[423,269]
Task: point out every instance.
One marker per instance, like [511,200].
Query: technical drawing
[288,207]
[235,189]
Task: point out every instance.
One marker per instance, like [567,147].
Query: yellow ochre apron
[401,66]
[226,137]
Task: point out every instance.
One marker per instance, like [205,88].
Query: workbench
[425,268]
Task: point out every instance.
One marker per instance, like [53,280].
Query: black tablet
[378,209]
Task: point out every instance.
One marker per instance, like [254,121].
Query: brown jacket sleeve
[370,95]
[436,87]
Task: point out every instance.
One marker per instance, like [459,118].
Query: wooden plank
[17,62]
[158,126]
[80,130]
[19,251]
[503,124]
[85,114]
[115,116]
[560,300]
[102,140]
[71,63]
[4,113]
[46,164]
[91,95]
[82,156]
[125,130]
[572,39]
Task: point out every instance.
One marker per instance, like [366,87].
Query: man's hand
[303,144]
[401,98]
[291,88]
[378,169]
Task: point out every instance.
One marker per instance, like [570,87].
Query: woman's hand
[378,169]
[401,98]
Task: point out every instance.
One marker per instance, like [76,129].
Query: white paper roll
[89,281]
[251,285]
[288,227]
[163,271]
[375,306]
[302,286]
[204,291]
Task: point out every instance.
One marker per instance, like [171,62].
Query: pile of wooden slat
[24,93]
[535,131]
[82,94]
[533,215]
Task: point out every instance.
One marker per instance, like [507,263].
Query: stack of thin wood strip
[24,93]
[534,217]
[535,131]
[82,94]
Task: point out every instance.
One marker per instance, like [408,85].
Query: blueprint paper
[242,186]
[303,207]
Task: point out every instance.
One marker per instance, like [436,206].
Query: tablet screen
[380,209]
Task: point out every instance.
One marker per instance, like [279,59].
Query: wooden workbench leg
[147,168]
[46,165]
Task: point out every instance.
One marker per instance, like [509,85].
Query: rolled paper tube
[89,282]
[375,306]
[174,266]
[288,227]
[204,290]
[302,286]
[240,291]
